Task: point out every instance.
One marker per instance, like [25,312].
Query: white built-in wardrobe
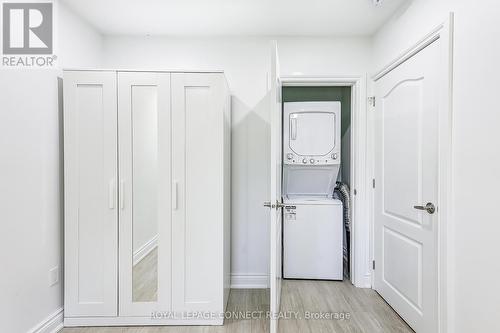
[147,206]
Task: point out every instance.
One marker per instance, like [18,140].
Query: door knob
[277,205]
[429,207]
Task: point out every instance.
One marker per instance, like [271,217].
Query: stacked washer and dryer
[313,220]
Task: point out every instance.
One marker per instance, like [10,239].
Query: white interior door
[406,170]
[144,119]
[90,213]
[275,194]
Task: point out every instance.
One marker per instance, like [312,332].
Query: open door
[275,204]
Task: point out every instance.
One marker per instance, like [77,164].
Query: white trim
[430,38]
[366,281]
[360,169]
[337,81]
[446,283]
[93,69]
[249,281]
[52,324]
[145,249]
[139,321]
[445,232]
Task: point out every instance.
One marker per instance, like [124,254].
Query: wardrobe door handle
[174,195]
[122,199]
[111,194]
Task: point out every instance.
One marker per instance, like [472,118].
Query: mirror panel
[145,193]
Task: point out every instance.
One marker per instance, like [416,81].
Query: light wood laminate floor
[366,311]
[145,278]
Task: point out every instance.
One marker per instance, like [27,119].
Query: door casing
[360,170]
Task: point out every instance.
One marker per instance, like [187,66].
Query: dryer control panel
[292,158]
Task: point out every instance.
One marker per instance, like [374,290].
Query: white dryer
[311,147]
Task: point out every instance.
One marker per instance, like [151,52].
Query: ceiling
[236,17]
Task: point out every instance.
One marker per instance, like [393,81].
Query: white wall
[79,44]
[476,154]
[246,64]
[30,178]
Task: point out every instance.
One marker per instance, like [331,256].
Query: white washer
[313,238]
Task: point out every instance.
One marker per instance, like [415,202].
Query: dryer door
[312,133]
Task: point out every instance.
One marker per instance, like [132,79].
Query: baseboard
[145,249]
[364,281]
[139,321]
[249,281]
[51,324]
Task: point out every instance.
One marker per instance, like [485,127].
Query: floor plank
[352,310]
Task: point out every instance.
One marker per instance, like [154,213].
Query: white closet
[147,206]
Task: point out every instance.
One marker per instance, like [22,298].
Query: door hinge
[355,192]
[371,101]
[373,264]
[373,182]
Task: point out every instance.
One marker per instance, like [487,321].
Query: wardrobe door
[144,196]
[90,214]
[197,171]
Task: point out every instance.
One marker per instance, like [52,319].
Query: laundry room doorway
[354,171]
[316,182]
[334,101]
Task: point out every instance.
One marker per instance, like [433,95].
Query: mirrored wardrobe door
[144,141]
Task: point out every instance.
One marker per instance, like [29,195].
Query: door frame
[443,31]
[360,254]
